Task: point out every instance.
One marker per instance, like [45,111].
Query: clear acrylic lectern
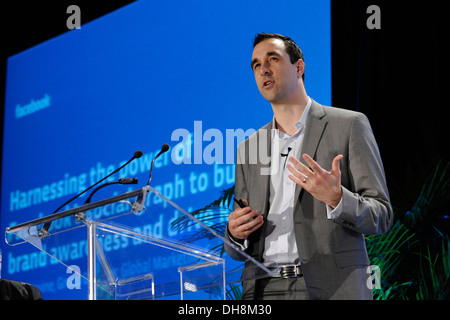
[125,256]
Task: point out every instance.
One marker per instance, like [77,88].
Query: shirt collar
[300,124]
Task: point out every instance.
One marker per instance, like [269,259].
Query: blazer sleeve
[240,192]
[366,206]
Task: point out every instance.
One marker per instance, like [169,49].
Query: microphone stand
[44,229]
[137,206]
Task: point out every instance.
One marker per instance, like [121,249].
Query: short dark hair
[292,49]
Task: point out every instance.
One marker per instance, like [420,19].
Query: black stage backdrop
[398,77]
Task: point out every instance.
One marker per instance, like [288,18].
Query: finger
[235,217]
[251,222]
[301,167]
[336,164]
[314,165]
[294,160]
[241,211]
[297,180]
[298,174]
[245,229]
[258,223]
[246,217]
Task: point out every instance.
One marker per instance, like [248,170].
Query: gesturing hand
[323,185]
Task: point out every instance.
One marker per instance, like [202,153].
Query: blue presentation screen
[153,72]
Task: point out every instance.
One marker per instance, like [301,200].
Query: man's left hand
[323,185]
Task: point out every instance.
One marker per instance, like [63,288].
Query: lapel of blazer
[314,130]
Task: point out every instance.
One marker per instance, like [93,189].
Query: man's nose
[265,70]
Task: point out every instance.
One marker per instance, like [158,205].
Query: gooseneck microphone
[165,147]
[120,181]
[44,229]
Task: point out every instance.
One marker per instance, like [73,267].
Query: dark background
[397,75]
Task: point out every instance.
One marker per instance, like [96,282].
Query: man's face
[276,77]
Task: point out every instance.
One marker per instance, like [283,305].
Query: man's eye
[273,59]
[256,66]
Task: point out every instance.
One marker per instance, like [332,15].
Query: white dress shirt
[280,244]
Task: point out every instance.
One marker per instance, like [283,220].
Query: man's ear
[300,65]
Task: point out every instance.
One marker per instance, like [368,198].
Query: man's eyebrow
[268,54]
[272,53]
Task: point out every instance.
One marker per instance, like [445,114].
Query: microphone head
[128,180]
[165,147]
[138,154]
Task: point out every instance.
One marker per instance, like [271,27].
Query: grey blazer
[332,253]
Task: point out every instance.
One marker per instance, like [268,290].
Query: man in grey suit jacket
[307,217]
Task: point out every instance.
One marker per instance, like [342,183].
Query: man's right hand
[240,223]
